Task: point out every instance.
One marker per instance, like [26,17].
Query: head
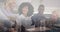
[10,5]
[54,15]
[26,9]
[41,8]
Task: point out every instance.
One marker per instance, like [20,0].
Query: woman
[25,11]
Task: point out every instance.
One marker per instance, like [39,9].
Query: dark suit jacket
[36,19]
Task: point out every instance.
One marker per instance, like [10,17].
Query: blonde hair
[8,2]
[57,12]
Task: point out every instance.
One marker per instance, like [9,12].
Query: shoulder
[19,18]
[34,16]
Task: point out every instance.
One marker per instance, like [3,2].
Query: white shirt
[25,21]
[11,16]
[7,13]
[2,15]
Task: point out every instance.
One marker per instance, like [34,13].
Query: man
[54,19]
[37,18]
[4,23]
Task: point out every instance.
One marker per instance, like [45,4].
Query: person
[8,9]
[25,12]
[7,13]
[5,25]
[54,19]
[37,18]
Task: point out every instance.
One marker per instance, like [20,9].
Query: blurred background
[50,5]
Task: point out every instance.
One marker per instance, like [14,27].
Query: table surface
[57,25]
[38,29]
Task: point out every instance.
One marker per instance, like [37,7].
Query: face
[25,10]
[54,16]
[11,5]
[41,9]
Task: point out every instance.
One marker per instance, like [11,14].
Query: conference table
[38,29]
[57,25]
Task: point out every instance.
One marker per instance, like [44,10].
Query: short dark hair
[30,8]
[41,5]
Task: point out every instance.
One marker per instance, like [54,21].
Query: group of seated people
[26,20]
